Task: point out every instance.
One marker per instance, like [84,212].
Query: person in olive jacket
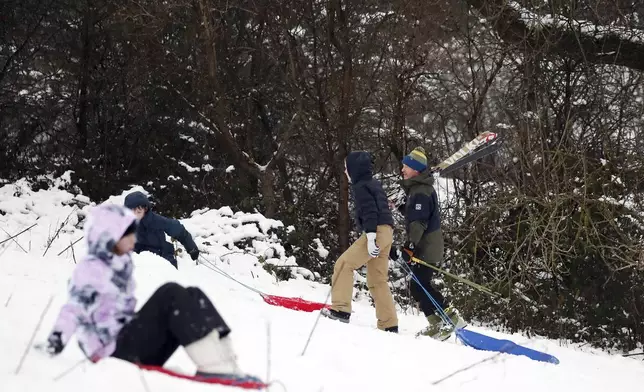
[152,228]
[374,218]
[424,240]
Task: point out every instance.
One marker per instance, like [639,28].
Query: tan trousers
[377,277]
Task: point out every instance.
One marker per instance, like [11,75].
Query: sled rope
[479,341]
[289,303]
[441,313]
[468,282]
[210,265]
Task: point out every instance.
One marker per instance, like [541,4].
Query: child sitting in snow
[153,227]
[101,308]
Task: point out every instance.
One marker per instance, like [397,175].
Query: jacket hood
[105,226]
[359,166]
[136,199]
[424,178]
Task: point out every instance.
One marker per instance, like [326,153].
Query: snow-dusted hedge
[59,210]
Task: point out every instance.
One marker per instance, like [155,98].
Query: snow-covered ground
[269,339]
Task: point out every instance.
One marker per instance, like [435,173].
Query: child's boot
[216,358]
[455,316]
[434,327]
[440,330]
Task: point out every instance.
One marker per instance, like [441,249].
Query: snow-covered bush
[217,231]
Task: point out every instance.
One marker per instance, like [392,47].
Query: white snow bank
[340,357]
[59,214]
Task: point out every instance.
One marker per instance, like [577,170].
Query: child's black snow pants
[424,275]
[173,316]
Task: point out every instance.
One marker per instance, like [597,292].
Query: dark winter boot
[336,315]
[393,329]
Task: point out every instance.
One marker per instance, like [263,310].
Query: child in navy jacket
[152,228]
[372,248]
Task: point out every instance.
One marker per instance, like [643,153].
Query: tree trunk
[396,135]
[209,40]
[268,193]
[344,216]
[83,79]
[340,40]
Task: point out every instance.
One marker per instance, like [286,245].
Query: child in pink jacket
[101,308]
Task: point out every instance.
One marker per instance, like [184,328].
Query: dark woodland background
[168,94]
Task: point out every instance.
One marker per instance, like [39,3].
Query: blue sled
[487,343]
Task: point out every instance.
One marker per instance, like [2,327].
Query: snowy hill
[269,339]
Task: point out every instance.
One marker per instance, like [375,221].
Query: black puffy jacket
[372,208]
[151,231]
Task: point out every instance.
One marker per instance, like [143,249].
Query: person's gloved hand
[54,345]
[407,251]
[372,247]
[394,253]
[194,254]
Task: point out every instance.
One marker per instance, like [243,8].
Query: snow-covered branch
[564,36]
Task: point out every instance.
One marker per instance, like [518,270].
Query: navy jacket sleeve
[175,229]
[367,209]
[419,211]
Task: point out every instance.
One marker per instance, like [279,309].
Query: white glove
[372,247]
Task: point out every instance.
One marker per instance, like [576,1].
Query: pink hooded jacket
[101,289]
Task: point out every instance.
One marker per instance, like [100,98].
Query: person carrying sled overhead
[101,308]
[153,227]
[372,248]
[424,240]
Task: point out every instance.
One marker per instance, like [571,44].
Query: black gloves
[54,343]
[194,254]
[407,251]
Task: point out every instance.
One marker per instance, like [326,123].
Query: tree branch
[563,36]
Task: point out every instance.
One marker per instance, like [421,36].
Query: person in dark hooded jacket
[152,228]
[372,248]
[424,241]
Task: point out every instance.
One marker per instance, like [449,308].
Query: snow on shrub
[59,214]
